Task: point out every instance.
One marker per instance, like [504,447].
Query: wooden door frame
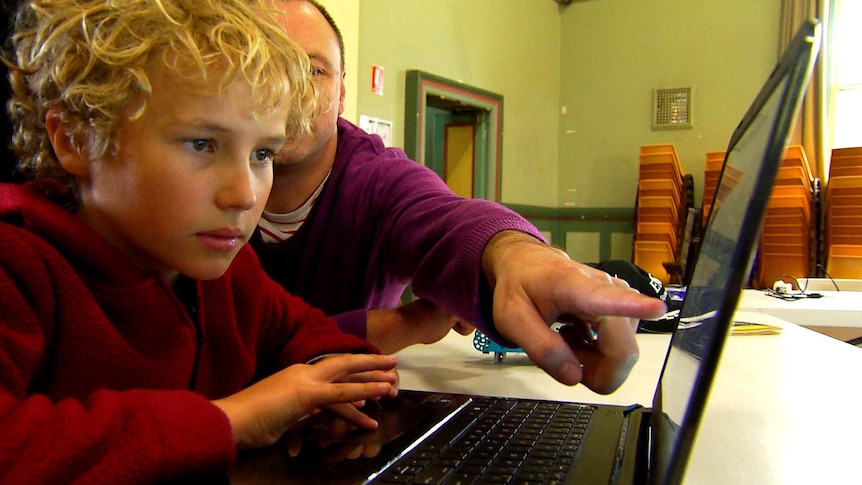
[489,129]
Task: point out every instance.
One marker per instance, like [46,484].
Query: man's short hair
[331,21]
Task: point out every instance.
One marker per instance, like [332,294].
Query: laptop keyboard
[497,441]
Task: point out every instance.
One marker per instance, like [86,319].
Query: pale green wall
[600,59]
[509,47]
[615,52]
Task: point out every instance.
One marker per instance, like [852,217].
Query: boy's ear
[70,157]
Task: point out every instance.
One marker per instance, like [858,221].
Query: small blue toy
[485,345]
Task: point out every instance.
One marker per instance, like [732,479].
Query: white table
[837,313]
[783,409]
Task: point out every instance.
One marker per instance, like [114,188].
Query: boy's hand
[262,412]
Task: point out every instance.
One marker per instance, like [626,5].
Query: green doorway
[456,130]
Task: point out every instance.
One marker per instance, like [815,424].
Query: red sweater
[104,376]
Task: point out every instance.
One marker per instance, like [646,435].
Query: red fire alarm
[377,80]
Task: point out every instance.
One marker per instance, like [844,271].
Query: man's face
[190,179]
[308,28]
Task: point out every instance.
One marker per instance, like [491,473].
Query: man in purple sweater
[350,223]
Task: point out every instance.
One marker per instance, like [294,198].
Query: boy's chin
[210,270]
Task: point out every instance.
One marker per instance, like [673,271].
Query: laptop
[427,437]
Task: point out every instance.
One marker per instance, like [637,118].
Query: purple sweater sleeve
[353,322]
[423,232]
[381,223]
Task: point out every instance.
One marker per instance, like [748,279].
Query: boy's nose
[238,188]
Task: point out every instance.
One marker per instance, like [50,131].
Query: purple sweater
[382,222]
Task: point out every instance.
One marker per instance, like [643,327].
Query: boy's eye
[316,71]
[200,144]
[263,155]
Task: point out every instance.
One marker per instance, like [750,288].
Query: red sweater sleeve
[291,329]
[113,437]
[104,377]
[118,437]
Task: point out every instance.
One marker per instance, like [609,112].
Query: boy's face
[189,181]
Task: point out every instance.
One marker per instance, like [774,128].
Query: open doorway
[456,130]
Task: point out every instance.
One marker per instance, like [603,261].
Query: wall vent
[672,108]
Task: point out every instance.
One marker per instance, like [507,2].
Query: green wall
[615,52]
[586,234]
[577,82]
[599,60]
[509,47]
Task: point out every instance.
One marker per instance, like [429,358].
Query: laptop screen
[724,260]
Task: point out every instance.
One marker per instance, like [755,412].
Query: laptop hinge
[631,464]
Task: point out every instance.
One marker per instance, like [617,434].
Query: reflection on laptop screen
[709,282]
[726,253]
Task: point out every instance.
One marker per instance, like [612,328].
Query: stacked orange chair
[659,209]
[711,173]
[786,247]
[843,214]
